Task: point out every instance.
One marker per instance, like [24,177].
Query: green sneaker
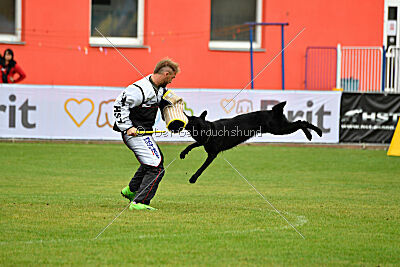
[140,206]
[126,193]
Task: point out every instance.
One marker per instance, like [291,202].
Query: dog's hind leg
[307,126]
[307,133]
[208,161]
[188,149]
[314,128]
[292,127]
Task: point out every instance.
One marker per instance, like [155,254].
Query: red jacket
[13,71]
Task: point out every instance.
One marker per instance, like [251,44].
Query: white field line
[300,221]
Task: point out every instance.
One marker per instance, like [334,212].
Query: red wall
[53,30]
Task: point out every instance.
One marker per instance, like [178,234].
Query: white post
[338,66]
[396,81]
[388,64]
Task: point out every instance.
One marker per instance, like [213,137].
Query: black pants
[145,182]
[147,178]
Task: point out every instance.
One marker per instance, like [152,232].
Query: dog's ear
[187,116]
[279,107]
[203,115]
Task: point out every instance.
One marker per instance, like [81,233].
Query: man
[135,110]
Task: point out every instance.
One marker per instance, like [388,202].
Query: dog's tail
[278,108]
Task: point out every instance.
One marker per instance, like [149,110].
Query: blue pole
[251,56]
[283,56]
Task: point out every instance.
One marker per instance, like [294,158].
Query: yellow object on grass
[394,148]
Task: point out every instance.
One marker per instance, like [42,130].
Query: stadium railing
[360,69]
[353,69]
[392,84]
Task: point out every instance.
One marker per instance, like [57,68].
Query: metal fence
[353,69]
[360,69]
[320,68]
[392,84]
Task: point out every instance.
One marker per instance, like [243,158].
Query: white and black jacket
[137,106]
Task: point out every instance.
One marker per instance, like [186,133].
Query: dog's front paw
[182,155]
[193,179]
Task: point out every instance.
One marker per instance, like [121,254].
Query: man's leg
[149,185]
[137,179]
[129,191]
[151,171]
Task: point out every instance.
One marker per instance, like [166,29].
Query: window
[227,23]
[121,21]
[10,20]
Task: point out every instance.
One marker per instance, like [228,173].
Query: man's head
[164,72]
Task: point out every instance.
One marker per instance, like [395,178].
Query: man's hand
[132,131]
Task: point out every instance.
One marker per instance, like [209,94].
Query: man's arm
[129,98]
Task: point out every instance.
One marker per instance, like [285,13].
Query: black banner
[368,118]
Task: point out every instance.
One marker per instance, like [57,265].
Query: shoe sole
[142,209]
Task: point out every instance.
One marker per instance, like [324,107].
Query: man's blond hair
[166,63]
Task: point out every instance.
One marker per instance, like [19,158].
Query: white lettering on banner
[72,112]
[360,116]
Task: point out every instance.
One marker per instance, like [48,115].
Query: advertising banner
[71,112]
[369,118]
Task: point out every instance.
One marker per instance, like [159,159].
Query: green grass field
[55,198]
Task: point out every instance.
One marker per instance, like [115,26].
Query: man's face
[167,79]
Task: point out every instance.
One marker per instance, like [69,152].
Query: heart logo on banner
[229,108]
[69,112]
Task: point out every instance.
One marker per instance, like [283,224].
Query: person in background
[9,67]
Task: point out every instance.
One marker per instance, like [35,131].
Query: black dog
[224,134]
